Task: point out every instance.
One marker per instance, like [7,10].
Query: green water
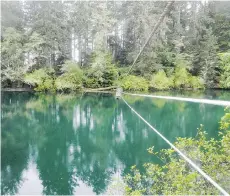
[77,144]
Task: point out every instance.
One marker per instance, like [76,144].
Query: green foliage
[181,78]
[34,47]
[225,120]
[90,82]
[222,30]
[161,81]
[44,79]
[207,58]
[176,177]
[225,66]
[188,41]
[12,59]
[182,61]
[72,77]
[181,75]
[134,83]
[103,72]
[196,82]
[123,70]
[49,21]
[41,79]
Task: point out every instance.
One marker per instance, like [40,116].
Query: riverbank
[113,88]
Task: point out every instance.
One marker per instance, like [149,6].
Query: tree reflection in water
[76,140]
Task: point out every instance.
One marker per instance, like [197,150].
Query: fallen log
[17,89]
[100,89]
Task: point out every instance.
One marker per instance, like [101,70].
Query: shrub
[103,72]
[41,79]
[225,67]
[134,83]
[225,120]
[161,81]
[90,82]
[196,82]
[176,177]
[72,77]
[123,70]
[181,77]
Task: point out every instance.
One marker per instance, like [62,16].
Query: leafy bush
[102,73]
[225,66]
[41,79]
[71,79]
[176,177]
[225,120]
[196,82]
[181,78]
[123,70]
[161,81]
[134,83]
[90,82]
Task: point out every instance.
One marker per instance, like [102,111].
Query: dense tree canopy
[46,34]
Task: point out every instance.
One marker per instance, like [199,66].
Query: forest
[65,140]
[68,46]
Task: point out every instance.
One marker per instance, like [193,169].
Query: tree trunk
[166,10]
[74,45]
[79,50]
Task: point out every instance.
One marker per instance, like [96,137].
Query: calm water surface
[77,144]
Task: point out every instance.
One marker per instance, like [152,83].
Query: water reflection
[75,144]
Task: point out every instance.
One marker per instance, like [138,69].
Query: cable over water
[207,177]
[207,101]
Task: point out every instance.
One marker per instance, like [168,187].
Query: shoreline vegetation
[161,179]
[69,46]
[108,90]
[90,46]
[108,75]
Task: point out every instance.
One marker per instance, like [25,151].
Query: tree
[176,177]
[166,10]
[225,70]
[103,72]
[12,15]
[12,55]
[208,59]
[205,60]
[55,32]
[222,24]
[49,20]
[71,78]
